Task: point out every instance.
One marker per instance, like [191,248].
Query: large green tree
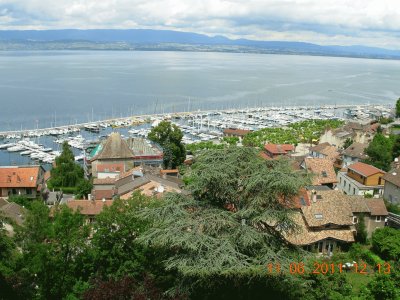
[169,137]
[379,152]
[386,243]
[398,108]
[231,226]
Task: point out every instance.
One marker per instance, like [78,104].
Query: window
[378,218]
[318,216]
[355,220]
[354,191]
[29,191]
[344,184]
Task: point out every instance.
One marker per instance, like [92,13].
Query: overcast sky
[340,22]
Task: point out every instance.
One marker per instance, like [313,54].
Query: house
[324,150]
[145,152]
[354,153]
[328,223]
[391,190]
[273,151]
[114,150]
[89,208]
[234,132]
[26,181]
[373,211]
[324,226]
[321,169]
[109,170]
[357,131]
[14,215]
[361,179]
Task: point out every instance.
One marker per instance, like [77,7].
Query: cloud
[372,22]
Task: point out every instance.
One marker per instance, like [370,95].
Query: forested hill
[147,39]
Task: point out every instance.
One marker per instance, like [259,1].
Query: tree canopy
[379,152]
[398,108]
[169,137]
[232,223]
[66,173]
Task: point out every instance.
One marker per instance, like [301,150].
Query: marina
[44,145]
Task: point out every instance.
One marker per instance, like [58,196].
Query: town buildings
[361,179]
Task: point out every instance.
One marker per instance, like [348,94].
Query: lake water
[46,88]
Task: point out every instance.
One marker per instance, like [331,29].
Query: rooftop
[114,148]
[393,177]
[88,207]
[24,177]
[365,169]
[322,168]
[279,148]
[356,150]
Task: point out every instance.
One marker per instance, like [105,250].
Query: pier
[130,121]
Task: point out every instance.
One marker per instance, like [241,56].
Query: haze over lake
[47,88]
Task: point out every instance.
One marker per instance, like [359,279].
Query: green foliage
[379,152]
[361,236]
[385,121]
[398,108]
[83,189]
[347,143]
[358,252]
[230,140]
[204,145]
[396,147]
[66,173]
[386,243]
[169,137]
[392,207]
[382,288]
[224,230]
[308,131]
[21,200]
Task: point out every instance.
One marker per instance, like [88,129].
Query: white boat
[16,148]
[5,146]
[27,152]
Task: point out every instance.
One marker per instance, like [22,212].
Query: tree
[231,140]
[396,147]
[169,137]
[232,224]
[347,143]
[361,236]
[379,152]
[398,108]
[383,288]
[66,173]
[386,243]
[83,189]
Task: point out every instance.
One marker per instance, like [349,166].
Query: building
[354,153]
[273,151]
[113,151]
[361,179]
[321,169]
[109,170]
[145,152]
[391,191]
[234,132]
[21,181]
[373,211]
[329,222]
[89,208]
[13,213]
[324,226]
[324,150]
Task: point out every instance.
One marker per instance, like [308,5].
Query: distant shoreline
[10,46]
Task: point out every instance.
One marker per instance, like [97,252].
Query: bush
[386,243]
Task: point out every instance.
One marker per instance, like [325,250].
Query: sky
[326,22]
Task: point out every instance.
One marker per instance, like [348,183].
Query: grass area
[358,281]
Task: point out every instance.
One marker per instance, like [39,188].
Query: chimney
[314,196]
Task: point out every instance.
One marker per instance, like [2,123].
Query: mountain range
[148,39]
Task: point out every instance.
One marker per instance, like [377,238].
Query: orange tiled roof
[88,207]
[103,194]
[239,132]
[322,168]
[377,207]
[365,169]
[278,148]
[23,177]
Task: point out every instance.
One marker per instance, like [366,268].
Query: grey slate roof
[115,148]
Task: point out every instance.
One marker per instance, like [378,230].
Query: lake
[44,88]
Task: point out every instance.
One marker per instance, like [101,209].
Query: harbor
[43,145]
